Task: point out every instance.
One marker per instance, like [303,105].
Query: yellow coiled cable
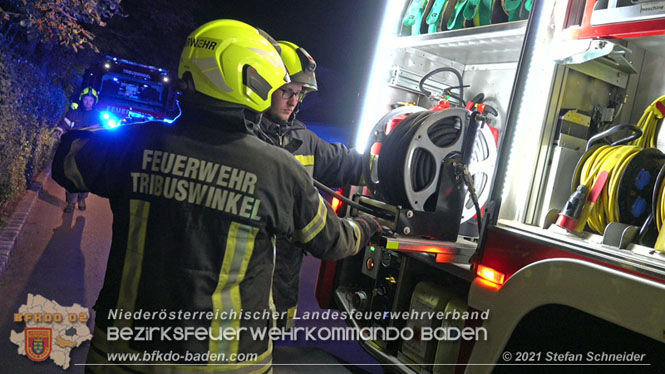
[659,216]
[614,160]
[649,124]
[660,207]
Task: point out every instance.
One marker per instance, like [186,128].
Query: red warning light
[491,275]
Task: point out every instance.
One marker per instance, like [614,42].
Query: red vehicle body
[553,297]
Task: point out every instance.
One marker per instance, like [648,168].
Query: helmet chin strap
[269,116]
[292,117]
[278,121]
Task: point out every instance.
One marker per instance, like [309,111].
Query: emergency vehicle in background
[130,92]
[571,88]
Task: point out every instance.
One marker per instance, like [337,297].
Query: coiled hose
[458,75]
[649,123]
[614,160]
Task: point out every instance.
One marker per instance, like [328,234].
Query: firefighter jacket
[332,164]
[79,119]
[196,208]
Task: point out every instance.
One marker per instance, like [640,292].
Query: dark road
[61,257]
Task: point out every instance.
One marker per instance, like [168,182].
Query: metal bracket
[598,58]
[409,80]
[580,51]
[457,251]
[620,234]
[550,218]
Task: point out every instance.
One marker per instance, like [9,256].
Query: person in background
[197,206]
[331,164]
[84,116]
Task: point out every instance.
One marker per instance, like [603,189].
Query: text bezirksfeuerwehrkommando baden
[310,333]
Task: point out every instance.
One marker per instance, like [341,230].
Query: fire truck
[521,188]
[130,92]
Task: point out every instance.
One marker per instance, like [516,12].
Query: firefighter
[332,164]
[84,115]
[197,206]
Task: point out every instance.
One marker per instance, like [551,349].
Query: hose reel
[377,136]
[483,161]
[408,167]
[416,159]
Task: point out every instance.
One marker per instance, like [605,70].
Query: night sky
[339,35]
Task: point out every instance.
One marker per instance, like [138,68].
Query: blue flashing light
[115,79]
[140,116]
[109,121]
[171,120]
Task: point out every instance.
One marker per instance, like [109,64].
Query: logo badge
[38,343]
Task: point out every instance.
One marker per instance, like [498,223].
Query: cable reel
[652,232]
[627,194]
[650,123]
[637,184]
[658,209]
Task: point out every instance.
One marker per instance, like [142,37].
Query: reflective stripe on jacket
[334,165]
[79,119]
[196,207]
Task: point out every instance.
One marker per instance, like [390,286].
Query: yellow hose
[649,124]
[614,160]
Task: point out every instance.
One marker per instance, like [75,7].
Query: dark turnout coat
[80,118]
[196,208]
[332,164]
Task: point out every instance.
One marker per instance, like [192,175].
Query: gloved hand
[369,226]
[57,133]
[371,221]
